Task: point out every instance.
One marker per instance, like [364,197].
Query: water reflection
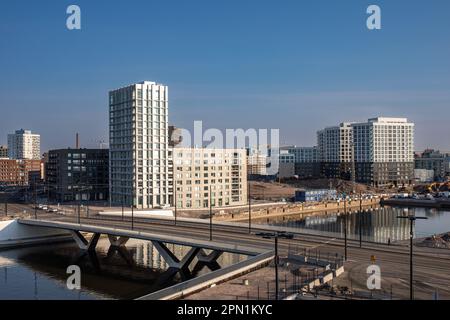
[110,272]
[377,225]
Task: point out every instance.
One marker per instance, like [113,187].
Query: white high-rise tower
[139,153]
[24,145]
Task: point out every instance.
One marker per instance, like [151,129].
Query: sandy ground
[276,191]
[259,284]
[352,284]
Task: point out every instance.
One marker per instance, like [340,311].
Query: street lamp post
[35,200]
[122,208]
[412,220]
[277,261]
[360,220]
[210,214]
[175,198]
[132,209]
[345,227]
[249,209]
[275,236]
[48,193]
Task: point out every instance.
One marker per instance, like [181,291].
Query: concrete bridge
[119,236]
[431,265]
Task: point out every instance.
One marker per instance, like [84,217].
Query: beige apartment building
[202,174]
[256,164]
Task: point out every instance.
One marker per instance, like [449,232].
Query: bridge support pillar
[208,258]
[171,259]
[117,241]
[84,244]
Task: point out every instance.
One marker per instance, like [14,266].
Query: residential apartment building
[434,160]
[19,172]
[139,146]
[24,145]
[210,176]
[256,163]
[3,152]
[78,174]
[286,164]
[335,151]
[377,152]
[423,175]
[384,151]
[306,161]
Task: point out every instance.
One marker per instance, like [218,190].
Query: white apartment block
[335,143]
[379,152]
[140,166]
[384,140]
[24,145]
[335,151]
[202,175]
[384,151]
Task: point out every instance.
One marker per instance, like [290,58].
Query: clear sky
[295,65]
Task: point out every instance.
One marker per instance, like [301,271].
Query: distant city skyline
[297,66]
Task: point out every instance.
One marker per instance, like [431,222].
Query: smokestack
[77,142]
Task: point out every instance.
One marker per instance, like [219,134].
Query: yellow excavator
[439,186]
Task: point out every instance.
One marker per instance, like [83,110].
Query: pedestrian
[389,241]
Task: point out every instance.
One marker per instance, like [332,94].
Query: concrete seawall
[14,234]
[427,203]
[300,209]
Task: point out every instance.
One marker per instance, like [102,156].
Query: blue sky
[294,65]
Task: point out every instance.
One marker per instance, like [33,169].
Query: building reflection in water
[378,225]
[147,255]
[110,272]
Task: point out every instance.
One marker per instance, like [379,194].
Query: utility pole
[132,206]
[345,227]
[412,220]
[275,236]
[277,290]
[133,181]
[35,200]
[360,219]
[48,193]
[80,202]
[122,208]
[210,214]
[175,197]
[249,208]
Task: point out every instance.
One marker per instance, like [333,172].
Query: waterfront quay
[431,265]
[300,210]
[427,203]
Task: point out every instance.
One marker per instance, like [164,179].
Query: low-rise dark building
[78,174]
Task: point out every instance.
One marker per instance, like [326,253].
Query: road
[431,266]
